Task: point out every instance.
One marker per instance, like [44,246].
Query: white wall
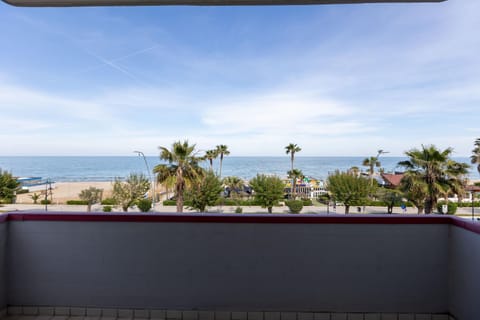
[464,274]
[230,266]
[3,266]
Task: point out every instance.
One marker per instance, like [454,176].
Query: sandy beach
[65,191]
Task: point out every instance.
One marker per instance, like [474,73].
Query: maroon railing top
[241,218]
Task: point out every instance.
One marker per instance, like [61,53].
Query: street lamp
[140,153]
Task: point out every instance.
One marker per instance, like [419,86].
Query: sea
[107,168]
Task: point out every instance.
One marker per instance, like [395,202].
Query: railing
[307,263]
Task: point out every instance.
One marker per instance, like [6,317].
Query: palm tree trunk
[221,162]
[179,189]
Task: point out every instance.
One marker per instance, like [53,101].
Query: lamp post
[140,153]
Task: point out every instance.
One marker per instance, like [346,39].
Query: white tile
[190,315]
[174,314]
[46,311]
[109,313]
[305,316]
[14,311]
[30,311]
[75,318]
[158,314]
[339,316]
[288,316]
[125,313]
[206,315]
[272,315]
[94,312]
[222,315]
[371,316]
[62,311]
[355,316]
[239,315]
[255,315]
[406,316]
[79,312]
[141,314]
[321,316]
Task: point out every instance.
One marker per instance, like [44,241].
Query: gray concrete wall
[230,266]
[464,274]
[3,265]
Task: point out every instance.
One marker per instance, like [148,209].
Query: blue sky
[337,80]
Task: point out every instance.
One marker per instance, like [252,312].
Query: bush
[21,191]
[295,206]
[468,204]
[307,202]
[107,209]
[238,210]
[108,202]
[144,205]
[174,202]
[169,202]
[45,202]
[77,202]
[452,207]
[324,198]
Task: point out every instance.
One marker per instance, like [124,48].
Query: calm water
[107,168]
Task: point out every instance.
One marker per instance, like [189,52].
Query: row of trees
[429,174]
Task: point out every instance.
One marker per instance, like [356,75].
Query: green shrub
[107,208]
[295,206]
[45,202]
[21,191]
[77,202]
[468,204]
[238,210]
[307,202]
[108,202]
[174,203]
[169,202]
[144,205]
[452,207]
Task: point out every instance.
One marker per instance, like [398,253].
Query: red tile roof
[392,179]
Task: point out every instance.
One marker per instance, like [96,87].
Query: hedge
[77,202]
[108,202]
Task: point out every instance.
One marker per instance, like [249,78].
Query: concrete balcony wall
[464,288]
[332,266]
[3,264]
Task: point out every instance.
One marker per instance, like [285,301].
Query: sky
[338,80]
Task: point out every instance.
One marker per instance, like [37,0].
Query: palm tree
[222,150]
[475,157]
[291,149]
[234,184]
[414,190]
[373,162]
[182,164]
[211,155]
[294,175]
[433,170]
